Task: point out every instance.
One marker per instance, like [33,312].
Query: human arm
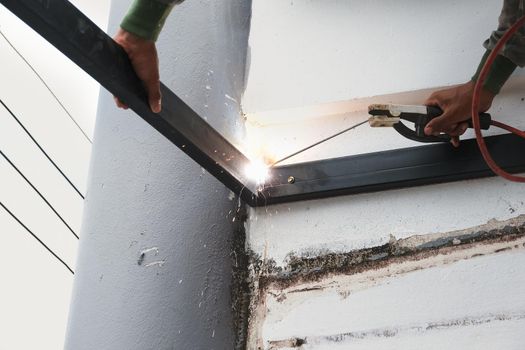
[137,34]
[456,102]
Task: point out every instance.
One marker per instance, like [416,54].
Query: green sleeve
[146,18]
[499,73]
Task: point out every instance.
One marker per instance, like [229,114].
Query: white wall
[311,52]
[332,57]
[315,66]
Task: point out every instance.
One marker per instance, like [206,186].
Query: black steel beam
[386,170]
[60,23]
[77,37]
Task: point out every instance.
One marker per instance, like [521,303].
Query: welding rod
[318,143]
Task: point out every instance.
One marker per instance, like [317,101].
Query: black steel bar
[393,169]
[76,36]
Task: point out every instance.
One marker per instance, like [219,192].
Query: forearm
[515,48]
[146,18]
[512,54]
[499,72]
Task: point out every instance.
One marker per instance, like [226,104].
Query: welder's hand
[143,56]
[456,104]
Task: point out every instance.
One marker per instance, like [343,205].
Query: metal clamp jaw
[390,115]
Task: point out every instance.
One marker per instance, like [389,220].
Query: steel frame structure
[77,37]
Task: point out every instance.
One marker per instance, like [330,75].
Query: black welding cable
[40,148]
[47,86]
[36,237]
[38,192]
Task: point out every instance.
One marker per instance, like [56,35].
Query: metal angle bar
[77,37]
[392,169]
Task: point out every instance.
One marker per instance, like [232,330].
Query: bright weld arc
[258,171]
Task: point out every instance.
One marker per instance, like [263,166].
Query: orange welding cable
[475,105]
[508,128]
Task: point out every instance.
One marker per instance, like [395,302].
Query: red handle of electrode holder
[475,105]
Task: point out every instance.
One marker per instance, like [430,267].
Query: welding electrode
[318,143]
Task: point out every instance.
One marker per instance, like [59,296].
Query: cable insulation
[508,128]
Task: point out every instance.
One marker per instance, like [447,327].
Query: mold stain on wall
[358,270]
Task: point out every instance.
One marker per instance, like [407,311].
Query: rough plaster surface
[457,293]
[154,267]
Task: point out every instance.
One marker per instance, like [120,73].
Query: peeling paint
[159,263]
[311,268]
[142,256]
[152,249]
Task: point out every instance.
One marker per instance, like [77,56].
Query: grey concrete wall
[154,268]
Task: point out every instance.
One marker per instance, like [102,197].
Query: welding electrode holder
[420,116]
